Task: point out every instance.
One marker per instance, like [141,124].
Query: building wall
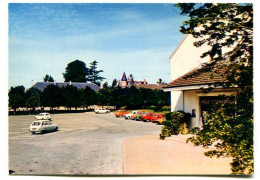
[176,101]
[191,102]
[186,57]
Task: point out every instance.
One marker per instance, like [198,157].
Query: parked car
[99,111]
[156,117]
[147,117]
[43,116]
[120,113]
[128,116]
[138,117]
[42,126]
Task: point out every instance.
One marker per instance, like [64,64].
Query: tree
[52,96]
[159,81]
[94,76]
[76,71]
[104,97]
[114,82]
[105,85]
[16,97]
[48,78]
[89,97]
[72,97]
[32,98]
[228,26]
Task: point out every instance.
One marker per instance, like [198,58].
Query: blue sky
[132,38]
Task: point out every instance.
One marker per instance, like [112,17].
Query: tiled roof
[193,78]
[150,86]
[43,85]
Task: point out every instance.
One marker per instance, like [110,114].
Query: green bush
[176,122]
[183,129]
[165,132]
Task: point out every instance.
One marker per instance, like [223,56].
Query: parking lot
[86,143]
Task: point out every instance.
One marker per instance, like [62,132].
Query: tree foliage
[94,73]
[76,71]
[52,96]
[48,78]
[114,83]
[71,96]
[89,96]
[133,97]
[16,97]
[32,98]
[228,30]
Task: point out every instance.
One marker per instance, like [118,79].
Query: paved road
[85,144]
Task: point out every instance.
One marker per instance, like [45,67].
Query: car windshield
[46,123]
[36,124]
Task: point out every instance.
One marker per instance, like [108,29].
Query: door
[208,103]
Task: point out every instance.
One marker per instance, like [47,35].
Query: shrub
[183,129]
[165,132]
[176,122]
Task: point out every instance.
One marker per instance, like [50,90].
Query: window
[36,124]
[193,114]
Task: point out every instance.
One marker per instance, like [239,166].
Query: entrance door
[210,102]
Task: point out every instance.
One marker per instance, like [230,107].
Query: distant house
[127,82]
[42,85]
[186,90]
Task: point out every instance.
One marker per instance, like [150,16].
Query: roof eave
[176,49]
[188,87]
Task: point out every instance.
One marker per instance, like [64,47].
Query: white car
[43,116]
[128,116]
[99,111]
[42,126]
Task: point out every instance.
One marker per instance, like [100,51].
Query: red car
[147,117]
[156,117]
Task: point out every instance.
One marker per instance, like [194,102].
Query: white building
[186,91]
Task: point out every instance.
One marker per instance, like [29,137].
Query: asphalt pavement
[86,144]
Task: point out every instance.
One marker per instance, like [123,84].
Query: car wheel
[56,129]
